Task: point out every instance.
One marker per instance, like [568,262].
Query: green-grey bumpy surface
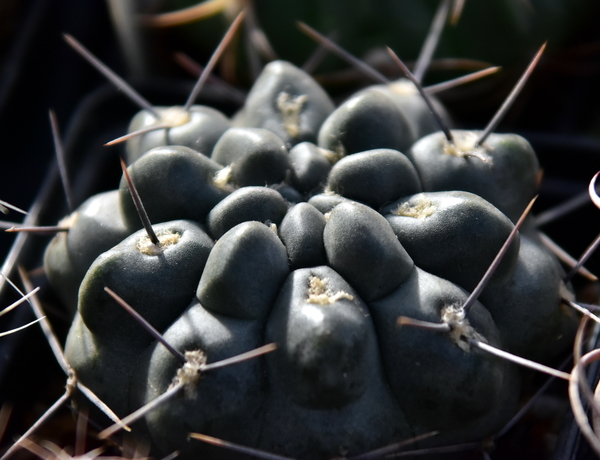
[315,228]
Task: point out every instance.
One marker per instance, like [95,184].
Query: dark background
[558,112]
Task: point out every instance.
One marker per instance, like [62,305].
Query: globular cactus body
[389,230]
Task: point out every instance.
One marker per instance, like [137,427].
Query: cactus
[311,227]
[344,378]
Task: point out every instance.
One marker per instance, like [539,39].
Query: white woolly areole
[290,107]
[320,294]
[189,374]
[69,220]
[460,328]
[404,87]
[464,145]
[166,238]
[337,153]
[420,208]
[331,156]
[222,178]
[566,293]
[175,116]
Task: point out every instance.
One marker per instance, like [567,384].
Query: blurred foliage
[497,31]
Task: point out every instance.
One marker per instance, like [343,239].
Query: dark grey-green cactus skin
[174,182]
[519,305]
[257,156]
[301,231]
[161,282]
[260,204]
[310,167]
[198,129]
[408,102]
[318,243]
[230,401]
[416,111]
[94,227]
[366,121]
[328,390]
[422,367]
[362,247]
[503,170]
[455,235]
[287,101]
[374,177]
